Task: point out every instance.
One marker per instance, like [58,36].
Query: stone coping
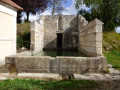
[28,54]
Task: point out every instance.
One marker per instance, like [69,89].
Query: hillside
[111,41]
[23,27]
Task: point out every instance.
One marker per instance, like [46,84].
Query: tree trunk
[27,16]
[53,10]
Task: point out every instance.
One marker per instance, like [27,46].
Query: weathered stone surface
[76,32]
[60,65]
[69,25]
[114,72]
[37,34]
[109,66]
[90,38]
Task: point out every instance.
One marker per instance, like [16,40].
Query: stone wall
[60,65]
[79,65]
[37,34]
[50,28]
[69,31]
[77,34]
[28,64]
[90,37]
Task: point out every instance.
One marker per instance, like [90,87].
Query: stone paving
[42,76]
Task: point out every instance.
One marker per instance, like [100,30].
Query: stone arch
[60,23]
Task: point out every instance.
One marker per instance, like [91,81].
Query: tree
[56,3]
[19,15]
[108,11]
[32,6]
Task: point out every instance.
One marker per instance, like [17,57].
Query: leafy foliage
[23,40]
[32,6]
[108,11]
[23,35]
[19,16]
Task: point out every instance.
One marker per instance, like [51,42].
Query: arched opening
[60,23]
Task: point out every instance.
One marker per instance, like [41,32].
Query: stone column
[37,35]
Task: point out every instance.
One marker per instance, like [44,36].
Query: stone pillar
[37,35]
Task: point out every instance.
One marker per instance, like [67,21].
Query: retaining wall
[60,65]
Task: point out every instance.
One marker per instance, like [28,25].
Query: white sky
[118,29]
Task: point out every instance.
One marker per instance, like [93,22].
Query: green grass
[111,41]
[113,58]
[23,28]
[32,84]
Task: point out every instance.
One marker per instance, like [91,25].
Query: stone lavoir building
[67,32]
[62,32]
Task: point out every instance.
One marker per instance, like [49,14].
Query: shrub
[23,40]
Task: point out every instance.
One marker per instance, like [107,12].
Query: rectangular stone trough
[59,65]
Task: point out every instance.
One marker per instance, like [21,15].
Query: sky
[69,7]
[118,29]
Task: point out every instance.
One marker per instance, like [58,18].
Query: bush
[23,40]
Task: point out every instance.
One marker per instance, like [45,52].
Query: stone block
[99,51]
[92,37]
[98,37]
[98,44]
[9,60]
[114,72]
[109,66]
[104,63]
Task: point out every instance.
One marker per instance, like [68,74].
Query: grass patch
[23,27]
[32,84]
[113,58]
[111,41]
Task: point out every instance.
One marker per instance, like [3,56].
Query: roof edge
[11,3]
